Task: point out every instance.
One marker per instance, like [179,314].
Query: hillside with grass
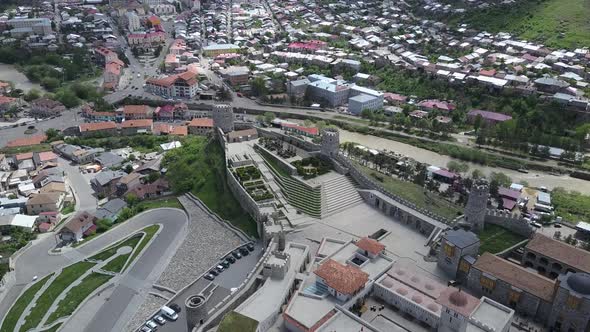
[555,23]
[198,167]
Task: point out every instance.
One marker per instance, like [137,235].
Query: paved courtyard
[363,220]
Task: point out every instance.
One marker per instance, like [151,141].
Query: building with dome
[441,307]
[571,303]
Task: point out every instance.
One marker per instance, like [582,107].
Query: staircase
[338,194]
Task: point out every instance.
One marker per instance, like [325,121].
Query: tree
[131,199]
[457,167]
[152,177]
[103,225]
[128,169]
[259,87]
[477,122]
[32,95]
[476,174]
[501,178]
[268,117]
[53,135]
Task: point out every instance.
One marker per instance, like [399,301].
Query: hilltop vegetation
[555,23]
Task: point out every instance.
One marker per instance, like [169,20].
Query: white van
[169,313]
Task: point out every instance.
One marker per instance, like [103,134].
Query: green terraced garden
[21,303]
[59,284]
[77,294]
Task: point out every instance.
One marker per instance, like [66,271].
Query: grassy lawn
[159,203]
[61,282]
[234,321]
[572,206]
[21,303]
[150,231]
[495,239]
[22,149]
[555,23]
[116,265]
[105,254]
[414,193]
[68,208]
[77,294]
[198,167]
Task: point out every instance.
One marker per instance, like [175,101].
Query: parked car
[145,329]
[159,319]
[230,259]
[244,251]
[214,272]
[169,312]
[175,307]
[225,264]
[209,277]
[150,323]
[219,268]
[237,254]
[250,246]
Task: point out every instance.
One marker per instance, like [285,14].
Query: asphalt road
[85,200]
[114,314]
[67,119]
[35,261]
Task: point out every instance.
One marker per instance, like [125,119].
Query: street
[36,260]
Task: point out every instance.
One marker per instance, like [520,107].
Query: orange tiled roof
[26,141]
[137,123]
[370,245]
[97,126]
[135,109]
[345,279]
[201,122]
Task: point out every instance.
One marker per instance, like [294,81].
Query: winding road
[36,261]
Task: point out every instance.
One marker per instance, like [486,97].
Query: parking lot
[226,280]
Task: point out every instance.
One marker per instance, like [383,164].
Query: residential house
[135,112]
[200,126]
[104,183]
[106,129]
[132,127]
[489,118]
[83,224]
[43,158]
[51,201]
[157,188]
[128,182]
[111,209]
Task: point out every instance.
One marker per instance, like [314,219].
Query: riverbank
[9,73]
[533,178]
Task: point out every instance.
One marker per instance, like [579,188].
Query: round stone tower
[475,210]
[223,117]
[196,311]
[330,142]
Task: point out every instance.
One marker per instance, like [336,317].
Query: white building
[133,22]
[184,85]
[357,104]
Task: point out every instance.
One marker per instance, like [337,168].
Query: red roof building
[344,279]
[370,246]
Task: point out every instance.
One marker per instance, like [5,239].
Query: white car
[151,325]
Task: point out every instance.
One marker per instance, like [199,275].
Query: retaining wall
[509,221]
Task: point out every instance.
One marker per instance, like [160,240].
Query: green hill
[555,23]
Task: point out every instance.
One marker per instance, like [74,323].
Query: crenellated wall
[509,221]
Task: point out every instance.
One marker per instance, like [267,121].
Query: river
[8,73]
[534,178]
